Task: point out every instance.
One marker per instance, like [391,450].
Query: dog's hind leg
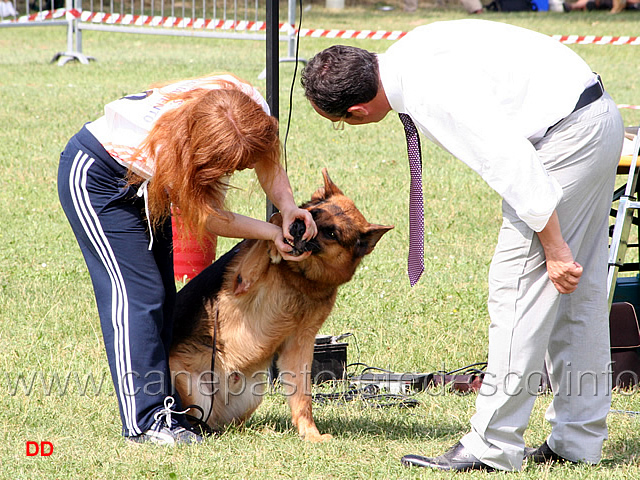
[294,364]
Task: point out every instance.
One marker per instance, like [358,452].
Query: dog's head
[344,236]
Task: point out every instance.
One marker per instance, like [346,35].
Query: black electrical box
[329,360]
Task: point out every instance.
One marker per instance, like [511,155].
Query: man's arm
[563,270]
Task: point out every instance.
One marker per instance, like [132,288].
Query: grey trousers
[533,325]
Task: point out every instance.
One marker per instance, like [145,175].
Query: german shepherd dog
[253,305]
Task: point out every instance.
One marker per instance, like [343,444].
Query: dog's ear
[328,190]
[369,239]
[276,219]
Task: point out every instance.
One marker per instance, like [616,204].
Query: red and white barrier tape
[158,21]
[243,25]
[48,15]
[597,40]
[248,26]
[355,34]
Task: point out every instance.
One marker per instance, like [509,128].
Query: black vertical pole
[273,58]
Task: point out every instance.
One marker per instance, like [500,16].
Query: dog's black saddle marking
[191,299]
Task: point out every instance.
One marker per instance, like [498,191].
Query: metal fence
[20,13]
[233,19]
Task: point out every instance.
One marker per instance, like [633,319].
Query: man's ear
[359,110]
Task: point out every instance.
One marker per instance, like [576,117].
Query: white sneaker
[166,430]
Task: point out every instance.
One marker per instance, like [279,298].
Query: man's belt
[590,95]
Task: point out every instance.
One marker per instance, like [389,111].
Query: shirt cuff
[538,219]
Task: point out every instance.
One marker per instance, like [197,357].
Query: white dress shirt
[485,91]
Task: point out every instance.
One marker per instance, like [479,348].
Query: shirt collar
[391,83]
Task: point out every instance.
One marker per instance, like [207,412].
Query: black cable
[631,413]
[204,427]
[213,360]
[293,82]
[202,421]
[377,369]
[357,364]
[471,369]
[466,370]
[369,395]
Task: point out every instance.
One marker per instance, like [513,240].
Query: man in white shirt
[527,114]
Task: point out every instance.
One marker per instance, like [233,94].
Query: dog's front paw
[317,437]
[274,254]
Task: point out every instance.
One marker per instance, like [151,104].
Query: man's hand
[563,270]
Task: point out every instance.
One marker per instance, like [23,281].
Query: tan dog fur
[267,306]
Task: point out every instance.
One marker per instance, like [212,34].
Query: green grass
[48,320]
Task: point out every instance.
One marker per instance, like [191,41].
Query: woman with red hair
[119,177]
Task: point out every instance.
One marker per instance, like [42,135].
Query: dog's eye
[329,233]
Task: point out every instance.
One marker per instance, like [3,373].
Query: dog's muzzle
[297,230]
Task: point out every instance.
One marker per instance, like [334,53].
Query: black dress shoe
[457,459]
[543,454]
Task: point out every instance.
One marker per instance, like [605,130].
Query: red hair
[196,146]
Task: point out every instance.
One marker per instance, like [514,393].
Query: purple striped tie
[416,205]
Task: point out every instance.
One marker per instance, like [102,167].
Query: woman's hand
[240,226]
[285,249]
[288,217]
[291,215]
[278,189]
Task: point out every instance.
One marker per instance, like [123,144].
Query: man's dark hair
[340,77]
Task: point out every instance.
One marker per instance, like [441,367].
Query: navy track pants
[134,286]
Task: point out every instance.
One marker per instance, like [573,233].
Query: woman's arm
[240,226]
[279,191]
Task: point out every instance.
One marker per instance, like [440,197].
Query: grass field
[48,321]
